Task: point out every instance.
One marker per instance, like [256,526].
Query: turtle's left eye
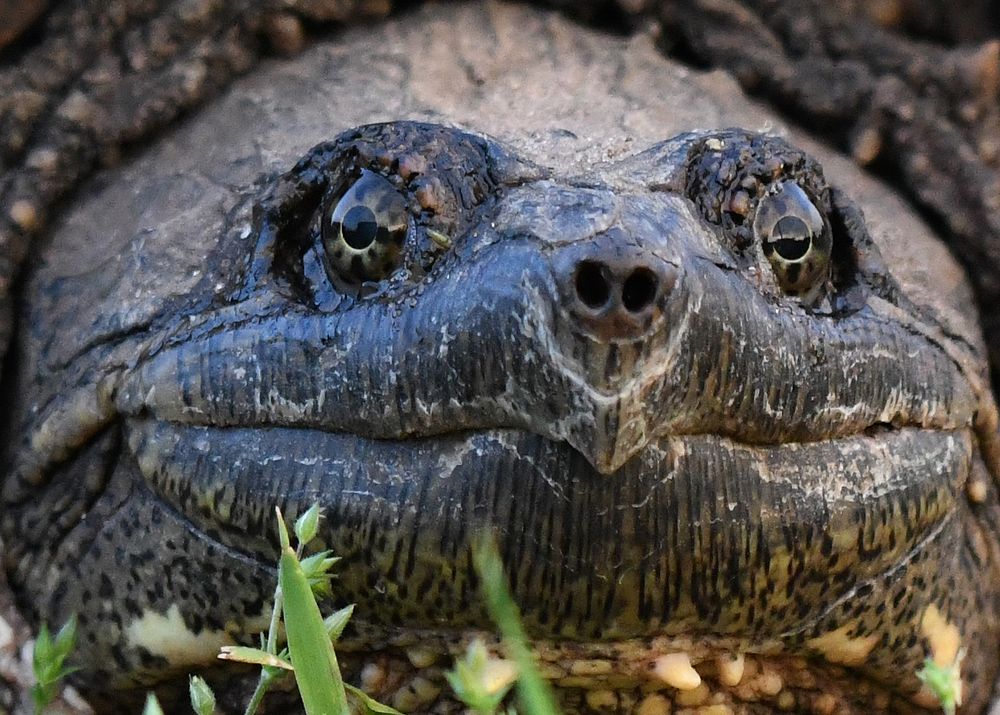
[794,237]
[364,232]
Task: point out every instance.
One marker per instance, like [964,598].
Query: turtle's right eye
[794,238]
[364,231]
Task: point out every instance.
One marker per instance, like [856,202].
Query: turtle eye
[364,232]
[794,237]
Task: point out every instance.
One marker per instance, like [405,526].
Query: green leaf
[370,704]
[315,567]
[534,693]
[479,681]
[256,656]
[307,525]
[152,706]
[944,681]
[337,621]
[316,671]
[282,534]
[65,639]
[48,661]
[202,697]
[318,564]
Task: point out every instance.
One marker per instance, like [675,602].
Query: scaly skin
[703,465]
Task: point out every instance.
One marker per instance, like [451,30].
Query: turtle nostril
[592,284]
[639,290]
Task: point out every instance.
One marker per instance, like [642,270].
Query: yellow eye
[364,233]
[794,238]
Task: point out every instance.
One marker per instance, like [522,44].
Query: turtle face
[682,390]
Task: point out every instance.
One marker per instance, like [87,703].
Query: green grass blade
[535,695]
[316,671]
[371,705]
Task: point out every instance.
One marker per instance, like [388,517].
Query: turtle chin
[790,554]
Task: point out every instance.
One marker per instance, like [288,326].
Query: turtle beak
[619,430]
[613,330]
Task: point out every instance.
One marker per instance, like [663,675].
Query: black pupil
[359,227]
[791,238]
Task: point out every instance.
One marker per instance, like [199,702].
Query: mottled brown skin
[723,469]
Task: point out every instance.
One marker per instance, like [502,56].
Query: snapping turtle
[718,394]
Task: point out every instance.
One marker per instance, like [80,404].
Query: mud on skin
[689,465]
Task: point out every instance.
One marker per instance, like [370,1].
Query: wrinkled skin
[695,462]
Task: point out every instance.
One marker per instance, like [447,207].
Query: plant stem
[258,694]
[264,682]
[272,631]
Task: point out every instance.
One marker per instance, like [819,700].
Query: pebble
[421,657]
[866,146]
[977,491]
[824,704]
[601,700]
[6,634]
[695,696]
[25,215]
[372,677]
[654,705]
[417,694]
[590,667]
[285,34]
[75,700]
[717,709]
[769,683]
[731,669]
[786,701]
[675,669]
[44,159]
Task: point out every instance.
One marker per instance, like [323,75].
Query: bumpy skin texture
[102,75]
[722,468]
[926,115]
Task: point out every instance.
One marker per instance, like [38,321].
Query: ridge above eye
[364,231]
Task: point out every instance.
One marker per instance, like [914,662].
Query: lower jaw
[599,563]
[696,534]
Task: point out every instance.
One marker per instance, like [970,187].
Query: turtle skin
[687,441]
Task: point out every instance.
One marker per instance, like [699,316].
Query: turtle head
[682,388]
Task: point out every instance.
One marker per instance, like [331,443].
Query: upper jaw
[500,338]
[504,338]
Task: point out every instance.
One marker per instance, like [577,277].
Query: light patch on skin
[167,636]
[840,647]
[944,638]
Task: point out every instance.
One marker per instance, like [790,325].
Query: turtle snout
[614,290]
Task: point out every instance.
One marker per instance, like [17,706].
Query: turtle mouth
[792,549]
